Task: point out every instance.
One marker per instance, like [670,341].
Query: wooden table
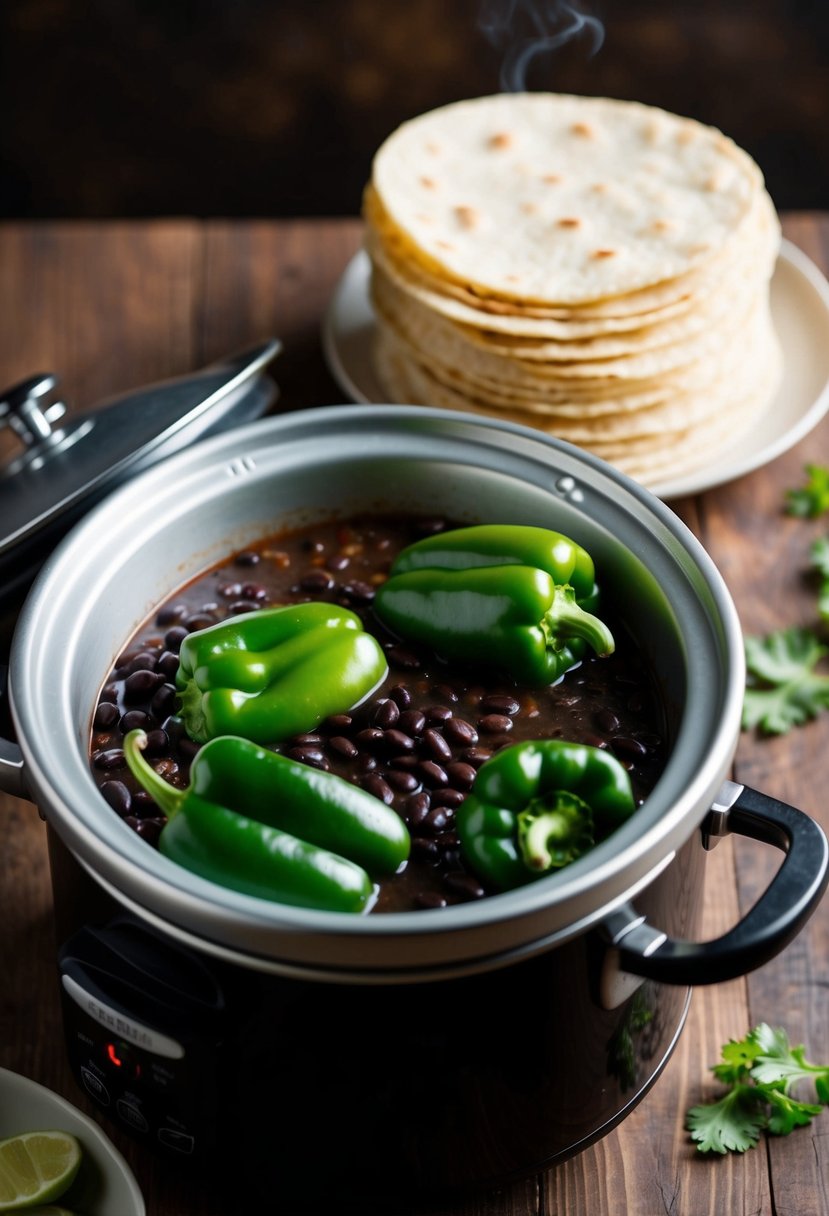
[109,306]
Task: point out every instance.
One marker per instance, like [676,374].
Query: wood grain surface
[111,305]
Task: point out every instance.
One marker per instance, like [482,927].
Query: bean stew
[416,743]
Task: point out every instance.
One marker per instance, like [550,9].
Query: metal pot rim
[53,635]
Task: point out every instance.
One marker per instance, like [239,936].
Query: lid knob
[22,408]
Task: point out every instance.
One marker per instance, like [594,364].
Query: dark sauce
[420,738]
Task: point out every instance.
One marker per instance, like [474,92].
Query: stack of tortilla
[594,268]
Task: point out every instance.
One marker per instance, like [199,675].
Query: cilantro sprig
[760,1071]
[783,689]
[819,554]
[812,499]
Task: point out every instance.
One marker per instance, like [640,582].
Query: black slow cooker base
[370,1093]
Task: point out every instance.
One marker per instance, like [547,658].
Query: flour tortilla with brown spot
[557,199]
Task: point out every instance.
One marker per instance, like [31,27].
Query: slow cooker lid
[67,466]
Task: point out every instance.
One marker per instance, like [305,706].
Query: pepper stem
[553,830]
[166,795]
[564,620]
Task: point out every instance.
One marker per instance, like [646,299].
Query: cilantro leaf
[787,1113]
[761,1070]
[820,561]
[812,499]
[778,1063]
[731,1125]
[782,688]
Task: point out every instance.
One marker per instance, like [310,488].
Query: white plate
[800,308]
[105,1185]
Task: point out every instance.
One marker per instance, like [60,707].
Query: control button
[180,1141]
[95,1086]
[132,1115]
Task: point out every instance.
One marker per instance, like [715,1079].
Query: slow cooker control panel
[142,1032]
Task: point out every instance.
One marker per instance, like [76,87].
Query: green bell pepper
[514,598]
[278,672]
[259,823]
[538,806]
[506,545]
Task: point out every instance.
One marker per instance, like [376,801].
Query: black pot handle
[777,916]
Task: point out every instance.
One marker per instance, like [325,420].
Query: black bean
[460,774]
[240,607]
[400,780]
[150,829]
[143,805]
[157,743]
[113,757]
[254,591]
[339,561]
[408,762]
[145,659]
[411,721]
[248,558]
[134,719]
[308,739]
[593,740]
[164,701]
[375,785]
[447,797]
[358,592]
[460,732]
[313,546]
[417,808]
[188,748]
[343,747]
[430,899]
[384,714]
[476,756]
[464,884]
[437,714]
[167,663]
[436,744]
[436,820]
[230,591]
[628,747]
[109,692]
[432,774]
[371,737]
[606,721]
[397,741]
[338,723]
[316,581]
[498,703]
[399,656]
[494,724]
[140,685]
[174,637]
[313,756]
[424,849]
[366,763]
[401,696]
[200,620]
[446,691]
[106,715]
[172,615]
[118,796]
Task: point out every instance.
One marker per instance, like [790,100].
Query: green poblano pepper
[536,807]
[515,598]
[278,672]
[260,823]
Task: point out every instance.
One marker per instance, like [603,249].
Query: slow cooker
[426,1051]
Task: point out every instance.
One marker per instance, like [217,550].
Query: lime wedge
[36,1168]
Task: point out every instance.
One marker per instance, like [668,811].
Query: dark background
[274,107]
